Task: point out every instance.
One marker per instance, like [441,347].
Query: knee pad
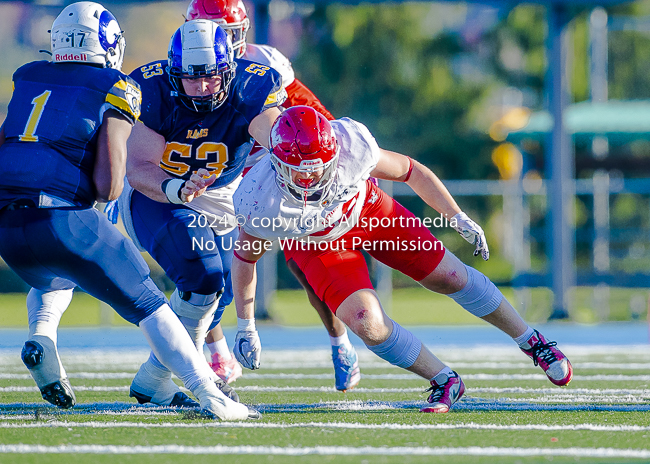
[195,317]
[200,308]
[479,296]
[401,348]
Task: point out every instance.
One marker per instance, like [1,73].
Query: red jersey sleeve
[299,94]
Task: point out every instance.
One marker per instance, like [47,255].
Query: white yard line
[327,450]
[613,377]
[327,425]
[476,356]
[405,376]
[74,387]
[610,393]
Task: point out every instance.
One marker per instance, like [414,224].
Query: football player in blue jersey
[232,16]
[201,109]
[63,146]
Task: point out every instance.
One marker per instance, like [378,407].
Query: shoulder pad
[149,71]
[125,96]
[255,81]
[272,57]
[26,69]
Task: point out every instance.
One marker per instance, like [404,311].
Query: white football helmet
[86,32]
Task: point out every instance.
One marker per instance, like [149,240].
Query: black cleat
[180,399]
[142,399]
[227,389]
[59,394]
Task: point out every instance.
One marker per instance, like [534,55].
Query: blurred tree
[379,65]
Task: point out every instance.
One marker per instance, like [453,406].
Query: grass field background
[510,413]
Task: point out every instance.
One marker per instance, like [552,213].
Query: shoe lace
[436,392]
[543,351]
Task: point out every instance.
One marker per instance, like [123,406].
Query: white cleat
[216,405]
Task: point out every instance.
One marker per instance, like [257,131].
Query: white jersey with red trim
[269,213]
[271,56]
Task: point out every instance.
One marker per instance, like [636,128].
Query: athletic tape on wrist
[172,190]
[247,325]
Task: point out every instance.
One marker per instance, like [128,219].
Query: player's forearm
[244,283]
[260,126]
[145,152]
[147,178]
[431,189]
[110,160]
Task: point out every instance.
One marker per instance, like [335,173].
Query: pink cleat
[553,362]
[228,370]
[445,391]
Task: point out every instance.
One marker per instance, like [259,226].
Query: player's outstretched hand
[196,185]
[248,348]
[473,233]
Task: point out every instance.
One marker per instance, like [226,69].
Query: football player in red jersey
[315,185]
[231,16]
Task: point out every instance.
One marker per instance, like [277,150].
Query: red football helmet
[229,14]
[302,141]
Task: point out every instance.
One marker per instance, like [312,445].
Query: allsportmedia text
[305,244]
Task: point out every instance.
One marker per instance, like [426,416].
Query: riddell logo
[71,57]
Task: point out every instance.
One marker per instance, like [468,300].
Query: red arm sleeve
[298,94]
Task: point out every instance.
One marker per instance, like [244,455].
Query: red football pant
[387,231]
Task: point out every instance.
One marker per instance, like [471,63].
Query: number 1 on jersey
[34,117]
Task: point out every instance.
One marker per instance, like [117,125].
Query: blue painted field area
[277,337]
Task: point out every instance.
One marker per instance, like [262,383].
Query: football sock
[479,296]
[522,340]
[341,340]
[44,311]
[401,348]
[220,347]
[445,370]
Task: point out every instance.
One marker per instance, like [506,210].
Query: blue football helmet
[200,48]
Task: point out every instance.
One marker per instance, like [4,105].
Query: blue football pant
[60,248]
[194,258]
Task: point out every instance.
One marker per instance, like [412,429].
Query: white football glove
[473,233]
[248,348]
